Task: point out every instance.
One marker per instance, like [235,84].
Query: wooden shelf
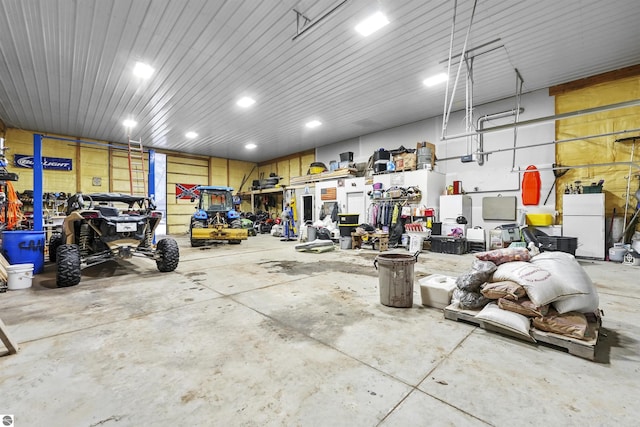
[323,176]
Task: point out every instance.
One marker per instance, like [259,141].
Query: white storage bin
[436,290]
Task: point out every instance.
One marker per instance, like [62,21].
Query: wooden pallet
[581,348]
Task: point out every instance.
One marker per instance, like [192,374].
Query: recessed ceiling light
[143,70]
[372,24]
[434,80]
[313,124]
[250,146]
[129,123]
[245,102]
[191,135]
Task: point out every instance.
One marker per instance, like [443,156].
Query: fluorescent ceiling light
[129,123]
[191,135]
[143,70]
[372,24]
[250,146]
[434,80]
[313,124]
[245,102]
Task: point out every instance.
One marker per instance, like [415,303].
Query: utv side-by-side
[108,226]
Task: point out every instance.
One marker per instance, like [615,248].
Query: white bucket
[19,276]
[415,243]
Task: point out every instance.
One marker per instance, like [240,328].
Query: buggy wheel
[168,255]
[68,271]
[54,242]
[235,242]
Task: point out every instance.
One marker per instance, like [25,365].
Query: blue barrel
[23,247]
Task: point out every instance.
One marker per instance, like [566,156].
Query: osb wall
[589,151]
[111,166]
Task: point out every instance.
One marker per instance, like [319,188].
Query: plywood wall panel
[218,171]
[110,163]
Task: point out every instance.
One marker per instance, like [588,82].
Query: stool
[356,241]
[383,240]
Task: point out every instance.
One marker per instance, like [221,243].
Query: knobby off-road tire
[168,255]
[68,265]
[54,242]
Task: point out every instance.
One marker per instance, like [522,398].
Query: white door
[355,204]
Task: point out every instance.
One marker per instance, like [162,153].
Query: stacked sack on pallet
[516,288]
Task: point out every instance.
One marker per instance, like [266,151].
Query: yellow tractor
[215,219]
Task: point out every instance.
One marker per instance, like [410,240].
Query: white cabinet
[453,206]
[583,217]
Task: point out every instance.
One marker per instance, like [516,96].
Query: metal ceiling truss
[305,24]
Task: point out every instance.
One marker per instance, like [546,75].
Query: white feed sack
[540,284]
[508,320]
[565,269]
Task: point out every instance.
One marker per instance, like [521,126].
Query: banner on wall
[56,163]
[187,191]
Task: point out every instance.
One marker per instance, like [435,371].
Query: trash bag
[480,273]
[469,300]
[471,281]
[486,267]
[323,234]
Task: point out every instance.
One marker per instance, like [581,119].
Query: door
[355,203]
[307,208]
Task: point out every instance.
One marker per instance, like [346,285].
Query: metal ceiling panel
[65,65]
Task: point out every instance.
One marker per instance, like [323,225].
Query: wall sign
[187,191]
[56,163]
[328,193]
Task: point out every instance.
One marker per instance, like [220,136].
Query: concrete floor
[259,334]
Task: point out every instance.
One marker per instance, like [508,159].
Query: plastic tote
[395,277]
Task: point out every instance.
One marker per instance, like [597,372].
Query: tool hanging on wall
[633,140]
[557,173]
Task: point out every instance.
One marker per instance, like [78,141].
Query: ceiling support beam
[308,24]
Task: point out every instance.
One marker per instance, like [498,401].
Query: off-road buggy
[108,226]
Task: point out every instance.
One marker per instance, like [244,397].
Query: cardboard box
[436,290]
[405,161]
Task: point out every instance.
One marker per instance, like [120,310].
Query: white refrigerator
[451,207]
[583,217]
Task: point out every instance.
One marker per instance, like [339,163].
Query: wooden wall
[104,167]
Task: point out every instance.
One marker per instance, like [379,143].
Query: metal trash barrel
[395,277]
